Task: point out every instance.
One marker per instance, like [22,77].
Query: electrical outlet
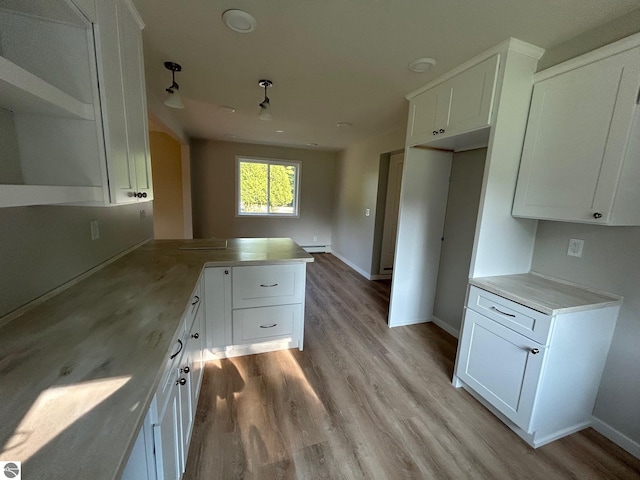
[95,230]
[315,238]
[575,247]
[143,215]
[367,212]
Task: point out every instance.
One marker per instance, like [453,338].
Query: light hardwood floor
[363,401]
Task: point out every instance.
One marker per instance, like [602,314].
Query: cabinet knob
[226,272]
[195,335]
[182,381]
[139,194]
[597,215]
[144,194]
[535,351]
[185,370]
[442,130]
[435,132]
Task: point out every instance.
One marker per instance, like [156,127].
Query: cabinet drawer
[253,325]
[260,286]
[170,374]
[530,323]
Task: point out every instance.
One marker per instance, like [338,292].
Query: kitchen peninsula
[79,371]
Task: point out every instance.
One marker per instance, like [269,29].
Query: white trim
[446,327]
[616,436]
[23,195]
[270,161]
[383,276]
[511,44]
[52,293]
[615,48]
[187,216]
[317,248]
[417,321]
[352,265]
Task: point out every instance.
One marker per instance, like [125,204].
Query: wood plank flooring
[363,401]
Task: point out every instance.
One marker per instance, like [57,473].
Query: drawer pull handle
[196,300]
[179,350]
[535,351]
[269,326]
[503,313]
[268,286]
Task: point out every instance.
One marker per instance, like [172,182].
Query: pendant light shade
[265,105]
[173,100]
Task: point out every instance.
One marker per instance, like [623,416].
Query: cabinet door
[429,111]
[472,94]
[134,100]
[196,347]
[578,128]
[167,440]
[501,366]
[185,408]
[217,295]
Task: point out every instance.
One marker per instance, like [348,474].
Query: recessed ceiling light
[343,125]
[239,21]
[421,65]
[230,135]
[312,144]
[279,131]
[227,109]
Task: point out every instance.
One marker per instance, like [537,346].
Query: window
[268,187]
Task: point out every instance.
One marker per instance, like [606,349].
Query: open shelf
[22,195]
[23,92]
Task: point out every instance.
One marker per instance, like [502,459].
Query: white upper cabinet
[461,103]
[580,160]
[63,73]
[123,96]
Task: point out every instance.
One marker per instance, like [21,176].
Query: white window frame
[270,161]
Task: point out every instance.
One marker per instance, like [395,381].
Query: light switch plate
[575,247]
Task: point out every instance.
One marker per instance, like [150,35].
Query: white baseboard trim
[410,322]
[352,265]
[616,436]
[385,276]
[317,248]
[446,327]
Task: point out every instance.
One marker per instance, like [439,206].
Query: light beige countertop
[78,371]
[548,295]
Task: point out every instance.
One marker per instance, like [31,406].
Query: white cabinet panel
[166,435]
[217,284]
[577,135]
[500,365]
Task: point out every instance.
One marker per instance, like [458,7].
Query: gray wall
[610,262]
[357,189]
[44,247]
[467,172]
[213,184]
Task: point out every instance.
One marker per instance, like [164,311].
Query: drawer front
[260,286]
[170,374]
[530,323]
[254,325]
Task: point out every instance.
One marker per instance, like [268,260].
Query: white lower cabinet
[250,308]
[539,373]
[163,443]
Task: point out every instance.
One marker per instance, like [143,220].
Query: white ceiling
[333,60]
